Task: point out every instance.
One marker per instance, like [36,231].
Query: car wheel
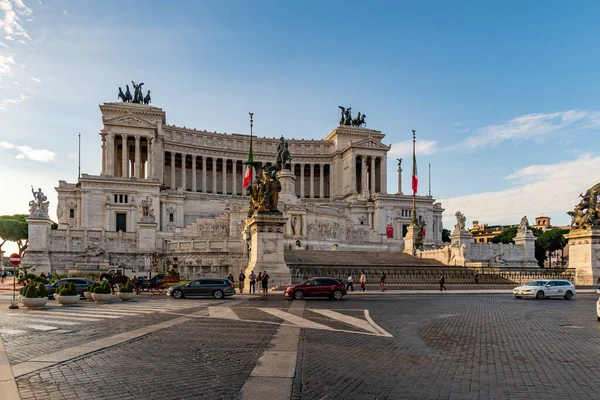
[177,294]
[337,295]
[299,295]
[218,294]
[539,295]
[568,295]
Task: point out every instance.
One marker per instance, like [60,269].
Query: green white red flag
[248,174]
[415,175]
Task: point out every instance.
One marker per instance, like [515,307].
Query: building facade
[192,179]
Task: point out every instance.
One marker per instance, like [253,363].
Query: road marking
[382,331]
[76,312]
[299,321]
[42,327]
[57,322]
[222,312]
[359,323]
[11,331]
[73,317]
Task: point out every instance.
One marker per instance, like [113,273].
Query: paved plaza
[428,346]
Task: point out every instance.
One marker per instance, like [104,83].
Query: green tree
[13,228]
[446,235]
[552,240]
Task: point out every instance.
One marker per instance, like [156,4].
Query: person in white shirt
[350,285]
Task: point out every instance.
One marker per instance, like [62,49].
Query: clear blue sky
[503,95]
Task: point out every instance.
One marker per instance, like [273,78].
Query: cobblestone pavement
[457,347]
[443,346]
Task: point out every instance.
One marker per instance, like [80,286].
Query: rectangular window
[126,201]
[121,222]
[120,198]
[116,198]
[171,217]
[71,213]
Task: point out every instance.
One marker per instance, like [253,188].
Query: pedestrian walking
[382,281]
[241,280]
[442,282]
[230,277]
[252,278]
[265,283]
[476,277]
[363,281]
[2,276]
[350,284]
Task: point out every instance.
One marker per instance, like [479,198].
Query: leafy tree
[446,235]
[13,228]
[552,240]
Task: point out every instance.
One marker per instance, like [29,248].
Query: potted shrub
[89,291]
[34,296]
[126,292]
[102,293]
[67,294]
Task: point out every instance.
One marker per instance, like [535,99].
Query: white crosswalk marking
[222,312]
[11,331]
[41,327]
[304,323]
[360,323]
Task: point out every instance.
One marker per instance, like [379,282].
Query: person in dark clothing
[252,288]
[442,282]
[230,277]
[382,281]
[241,280]
[265,283]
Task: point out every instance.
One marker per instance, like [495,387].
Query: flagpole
[251,155]
[79,161]
[429,179]
[413,220]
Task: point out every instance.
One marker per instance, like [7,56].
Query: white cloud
[17,100]
[10,23]
[36,80]
[24,152]
[7,61]
[531,126]
[551,188]
[404,149]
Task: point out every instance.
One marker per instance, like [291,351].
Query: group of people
[382,278]
[262,280]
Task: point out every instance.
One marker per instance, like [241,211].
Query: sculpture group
[284,158]
[146,211]
[264,191]
[137,97]
[38,207]
[346,118]
[586,214]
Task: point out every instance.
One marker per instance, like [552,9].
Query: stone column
[363,160]
[527,241]
[194,173]
[372,176]
[399,180]
[150,158]
[383,166]
[104,169]
[124,157]
[301,181]
[173,185]
[233,177]
[584,248]
[311,180]
[224,169]
[353,174]
[321,180]
[183,177]
[214,182]
[37,254]
[138,158]
[110,154]
[203,174]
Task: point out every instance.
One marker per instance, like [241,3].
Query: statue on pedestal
[146,211]
[523,226]
[460,222]
[586,214]
[264,192]
[347,119]
[38,207]
[284,157]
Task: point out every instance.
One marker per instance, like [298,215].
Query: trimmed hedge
[103,289]
[126,288]
[67,289]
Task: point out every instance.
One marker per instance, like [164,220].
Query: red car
[317,287]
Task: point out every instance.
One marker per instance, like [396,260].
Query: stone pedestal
[288,187]
[266,248]
[411,237]
[146,236]
[584,255]
[37,254]
[527,241]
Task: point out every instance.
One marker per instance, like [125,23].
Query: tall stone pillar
[183,172]
[410,240]
[224,169]
[194,173]
[138,158]
[302,181]
[527,241]
[104,169]
[173,185]
[37,254]
[372,175]
[266,248]
[399,180]
[311,180]
[321,180]
[288,185]
[233,177]
[110,154]
[150,153]
[353,174]
[364,186]
[584,255]
[214,180]
[124,157]
[383,166]
[203,174]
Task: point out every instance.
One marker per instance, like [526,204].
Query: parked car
[317,287]
[80,284]
[543,288]
[217,288]
[598,305]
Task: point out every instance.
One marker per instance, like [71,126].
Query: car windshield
[305,282]
[537,283]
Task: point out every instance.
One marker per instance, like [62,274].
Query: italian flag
[248,175]
[415,175]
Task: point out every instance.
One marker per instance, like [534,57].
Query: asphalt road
[445,346]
